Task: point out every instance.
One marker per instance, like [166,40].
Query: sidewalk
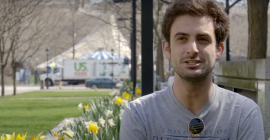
[29,88]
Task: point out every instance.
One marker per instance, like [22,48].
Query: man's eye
[181,38]
[203,39]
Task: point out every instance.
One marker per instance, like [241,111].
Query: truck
[76,71]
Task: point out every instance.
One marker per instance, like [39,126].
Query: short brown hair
[197,8]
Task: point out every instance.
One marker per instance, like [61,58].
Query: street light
[46,80]
[112,68]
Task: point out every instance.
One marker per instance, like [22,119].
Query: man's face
[192,49]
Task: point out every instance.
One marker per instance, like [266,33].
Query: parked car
[100,83]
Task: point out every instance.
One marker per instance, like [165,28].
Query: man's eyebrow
[203,34]
[180,33]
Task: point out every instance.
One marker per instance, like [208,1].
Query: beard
[195,76]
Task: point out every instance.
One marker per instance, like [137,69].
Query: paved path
[28,88]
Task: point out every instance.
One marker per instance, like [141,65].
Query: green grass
[42,94]
[35,116]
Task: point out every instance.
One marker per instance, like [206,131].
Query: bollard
[41,84]
[60,85]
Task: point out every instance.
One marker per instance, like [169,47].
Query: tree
[31,36]
[257,29]
[13,15]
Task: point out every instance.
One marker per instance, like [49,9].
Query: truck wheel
[94,86]
[48,82]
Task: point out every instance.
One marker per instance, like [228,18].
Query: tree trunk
[160,61]
[2,81]
[257,29]
[14,79]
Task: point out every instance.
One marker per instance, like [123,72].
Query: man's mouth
[192,62]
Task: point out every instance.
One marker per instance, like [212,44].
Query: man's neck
[193,95]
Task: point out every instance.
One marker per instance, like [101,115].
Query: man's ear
[219,50]
[166,49]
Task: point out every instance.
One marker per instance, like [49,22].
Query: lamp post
[36,75]
[112,68]
[47,84]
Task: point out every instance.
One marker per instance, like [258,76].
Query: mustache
[192,57]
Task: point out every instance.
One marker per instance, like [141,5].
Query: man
[193,107]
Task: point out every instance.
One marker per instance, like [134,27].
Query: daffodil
[33,138]
[92,127]
[131,83]
[67,122]
[109,113]
[118,101]
[10,137]
[124,103]
[86,107]
[68,134]
[126,95]
[60,137]
[121,114]
[19,137]
[101,121]
[2,137]
[55,134]
[111,123]
[80,106]
[138,91]
[40,136]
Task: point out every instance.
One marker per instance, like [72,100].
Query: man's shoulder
[234,98]
[151,98]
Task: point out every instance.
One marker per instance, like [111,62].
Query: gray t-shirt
[160,116]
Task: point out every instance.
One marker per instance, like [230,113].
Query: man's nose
[192,48]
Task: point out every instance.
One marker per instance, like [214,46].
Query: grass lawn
[35,116]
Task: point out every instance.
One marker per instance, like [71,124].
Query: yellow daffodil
[68,134]
[10,137]
[131,83]
[33,138]
[118,101]
[19,137]
[101,121]
[138,91]
[40,136]
[60,137]
[111,123]
[86,107]
[126,95]
[92,127]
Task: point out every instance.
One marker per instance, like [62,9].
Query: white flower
[124,103]
[121,114]
[109,113]
[112,93]
[111,123]
[68,134]
[101,121]
[80,106]
[67,122]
